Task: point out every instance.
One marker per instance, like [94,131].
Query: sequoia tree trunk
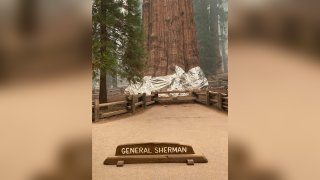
[170,36]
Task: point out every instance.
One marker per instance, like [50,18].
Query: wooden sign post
[154,153]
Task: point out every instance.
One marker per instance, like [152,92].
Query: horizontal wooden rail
[214,93]
[200,101]
[104,115]
[187,98]
[138,104]
[150,102]
[113,103]
[169,92]
[200,93]
[175,99]
[213,100]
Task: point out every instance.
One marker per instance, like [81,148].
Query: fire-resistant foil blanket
[179,81]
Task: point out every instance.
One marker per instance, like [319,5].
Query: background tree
[204,36]
[211,21]
[132,63]
[116,41]
[223,24]
[106,16]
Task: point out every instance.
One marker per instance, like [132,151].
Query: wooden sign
[154,153]
[153,149]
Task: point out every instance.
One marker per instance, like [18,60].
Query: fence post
[133,103]
[194,95]
[156,96]
[128,102]
[96,110]
[208,98]
[219,98]
[144,100]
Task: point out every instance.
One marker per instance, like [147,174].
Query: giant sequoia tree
[170,36]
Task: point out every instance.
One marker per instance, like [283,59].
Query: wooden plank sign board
[153,149]
[154,153]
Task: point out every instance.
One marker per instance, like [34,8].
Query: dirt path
[193,124]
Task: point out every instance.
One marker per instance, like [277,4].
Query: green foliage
[117,39]
[104,38]
[132,64]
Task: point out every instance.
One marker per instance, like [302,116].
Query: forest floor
[203,128]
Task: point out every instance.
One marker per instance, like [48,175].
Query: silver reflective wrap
[181,80]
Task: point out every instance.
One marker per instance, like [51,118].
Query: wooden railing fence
[133,102]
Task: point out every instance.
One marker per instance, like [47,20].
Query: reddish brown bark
[170,36]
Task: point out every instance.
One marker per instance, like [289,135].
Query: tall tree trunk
[103,76]
[103,87]
[114,81]
[214,12]
[170,34]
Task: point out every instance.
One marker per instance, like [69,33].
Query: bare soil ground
[203,128]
